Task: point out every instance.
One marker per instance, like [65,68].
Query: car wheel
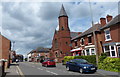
[81,70]
[67,68]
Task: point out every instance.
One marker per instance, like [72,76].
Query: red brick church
[62,38]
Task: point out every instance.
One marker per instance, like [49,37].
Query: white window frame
[111,50]
[118,51]
[107,34]
[83,52]
[86,52]
[89,35]
[81,41]
[91,51]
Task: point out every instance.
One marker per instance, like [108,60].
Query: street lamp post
[13,45]
[94,36]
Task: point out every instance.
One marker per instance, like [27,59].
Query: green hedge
[90,58]
[109,64]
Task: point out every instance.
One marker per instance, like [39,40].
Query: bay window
[110,50]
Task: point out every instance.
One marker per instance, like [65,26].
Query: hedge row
[110,64]
[90,58]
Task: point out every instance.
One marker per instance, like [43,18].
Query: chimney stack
[103,21]
[109,18]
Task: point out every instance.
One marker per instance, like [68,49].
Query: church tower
[63,20]
[64,33]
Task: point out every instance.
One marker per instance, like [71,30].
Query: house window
[66,43]
[83,52]
[56,54]
[110,50]
[107,35]
[107,50]
[82,41]
[92,51]
[75,43]
[89,39]
[62,28]
[87,52]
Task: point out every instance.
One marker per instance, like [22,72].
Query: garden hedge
[110,64]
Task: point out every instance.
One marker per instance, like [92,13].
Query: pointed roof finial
[62,11]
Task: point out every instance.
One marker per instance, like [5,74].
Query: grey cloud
[49,11]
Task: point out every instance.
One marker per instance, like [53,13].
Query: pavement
[13,71]
[27,69]
[103,72]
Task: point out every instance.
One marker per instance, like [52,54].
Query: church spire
[62,11]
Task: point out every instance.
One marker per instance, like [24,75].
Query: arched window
[62,28]
[56,54]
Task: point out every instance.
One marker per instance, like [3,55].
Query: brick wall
[4,48]
[114,32]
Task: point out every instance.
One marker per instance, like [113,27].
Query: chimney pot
[103,21]
[109,18]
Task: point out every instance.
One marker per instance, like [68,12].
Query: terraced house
[83,44]
[110,33]
[107,38]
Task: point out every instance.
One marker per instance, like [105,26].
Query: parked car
[80,65]
[48,63]
[17,60]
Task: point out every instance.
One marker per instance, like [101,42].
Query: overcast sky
[32,24]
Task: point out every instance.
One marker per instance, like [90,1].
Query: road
[29,68]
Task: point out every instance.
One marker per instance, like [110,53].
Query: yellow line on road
[20,72]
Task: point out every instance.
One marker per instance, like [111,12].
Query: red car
[49,63]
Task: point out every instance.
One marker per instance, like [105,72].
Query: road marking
[17,72]
[51,72]
[50,68]
[33,66]
[39,68]
[20,72]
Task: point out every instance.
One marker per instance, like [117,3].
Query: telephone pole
[94,36]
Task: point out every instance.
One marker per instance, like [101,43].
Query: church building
[61,43]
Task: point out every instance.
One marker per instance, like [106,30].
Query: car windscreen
[81,61]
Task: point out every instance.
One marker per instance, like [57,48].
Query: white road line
[17,72]
[20,72]
[51,72]
[39,68]
[50,68]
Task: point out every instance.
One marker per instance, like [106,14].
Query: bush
[102,57]
[110,64]
[90,58]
